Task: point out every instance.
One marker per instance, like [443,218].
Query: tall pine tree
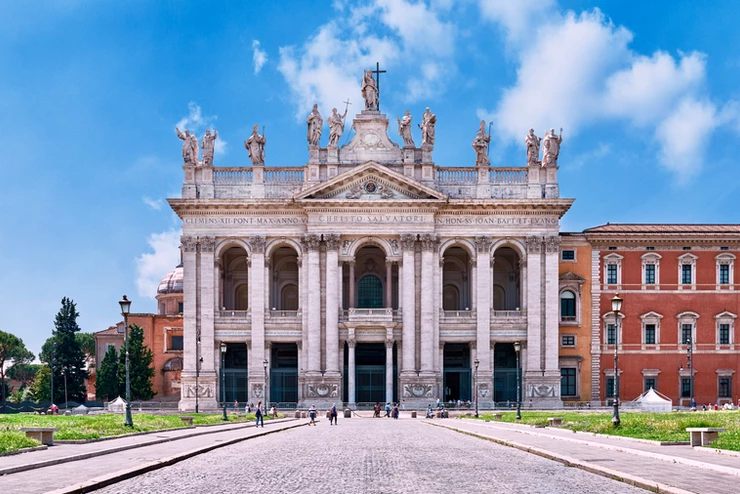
[140,361]
[107,386]
[67,359]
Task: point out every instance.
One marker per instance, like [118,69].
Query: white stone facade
[371,243]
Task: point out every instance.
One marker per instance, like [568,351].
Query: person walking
[333,416]
[387,410]
[260,417]
[312,415]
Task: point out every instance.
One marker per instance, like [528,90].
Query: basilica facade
[370,274]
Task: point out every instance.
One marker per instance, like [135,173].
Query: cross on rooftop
[377,73]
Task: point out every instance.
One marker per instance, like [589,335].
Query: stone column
[206,294]
[190,339]
[388,370]
[332,304]
[257,308]
[351,372]
[408,243]
[429,243]
[218,276]
[351,286]
[300,377]
[388,283]
[312,243]
[535,360]
[483,318]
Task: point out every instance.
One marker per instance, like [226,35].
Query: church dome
[171,283]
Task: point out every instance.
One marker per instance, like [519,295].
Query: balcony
[509,318]
[283,316]
[233,316]
[456,316]
[378,315]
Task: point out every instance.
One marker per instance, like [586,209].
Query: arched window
[450,298]
[241,297]
[567,306]
[370,292]
[289,297]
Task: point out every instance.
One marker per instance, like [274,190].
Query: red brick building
[680,290]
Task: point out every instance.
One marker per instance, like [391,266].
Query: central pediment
[370,182]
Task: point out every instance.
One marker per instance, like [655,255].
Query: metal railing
[458,314]
[234,314]
[282,313]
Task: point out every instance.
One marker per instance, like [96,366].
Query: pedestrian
[312,415]
[249,408]
[429,412]
[395,411]
[333,415]
[387,410]
[236,406]
[376,410]
[273,412]
[258,414]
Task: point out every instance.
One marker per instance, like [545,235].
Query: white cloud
[155,204]
[151,267]
[259,56]
[518,17]
[197,123]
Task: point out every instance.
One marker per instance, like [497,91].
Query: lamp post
[477,363]
[689,355]
[125,309]
[264,365]
[223,378]
[616,308]
[517,349]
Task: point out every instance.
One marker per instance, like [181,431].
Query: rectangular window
[686,334]
[611,334]
[686,274]
[724,274]
[649,274]
[724,334]
[650,334]
[650,383]
[685,387]
[176,342]
[611,274]
[109,346]
[568,382]
[649,248]
[609,387]
[568,340]
[179,307]
[569,255]
[725,387]
[121,328]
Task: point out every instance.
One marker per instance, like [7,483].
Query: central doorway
[235,373]
[370,373]
[504,373]
[284,374]
[457,372]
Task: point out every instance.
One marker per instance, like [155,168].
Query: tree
[12,350]
[23,372]
[40,389]
[107,386]
[141,371]
[87,344]
[65,355]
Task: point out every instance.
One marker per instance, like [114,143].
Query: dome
[171,283]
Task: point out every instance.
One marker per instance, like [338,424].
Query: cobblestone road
[369,456]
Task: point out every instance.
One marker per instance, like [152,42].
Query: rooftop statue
[533,148]
[551,148]
[208,145]
[370,91]
[428,120]
[404,129]
[256,147]
[189,147]
[336,126]
[314,122]
[480,144]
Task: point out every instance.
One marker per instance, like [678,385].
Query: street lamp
[517,349]
[223,378]
[264,365]
[125,309]
[616,308]
[477,363]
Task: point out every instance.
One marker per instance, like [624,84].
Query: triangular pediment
[370,182]
[571,277]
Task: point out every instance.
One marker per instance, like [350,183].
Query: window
[568,340]
[370,292]
[179,308]
[725,268]
[650,334]
[568,255]
[611,334]
[567,306]
[612,248]
[686,333]
[687,269]
[176,342]
[649,248]
[686,274]
[650,274]
[609,387]
[687,322]
[121,328]
[613,269]
[724,334]
[724,387]
[685,387]
[568,382]
[724,248]
[162,309]
[687,248]
[724,274]
[109,346]
[611,274]
[650,383]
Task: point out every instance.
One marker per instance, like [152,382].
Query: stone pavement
[69,464]
[664,468]
[369,456]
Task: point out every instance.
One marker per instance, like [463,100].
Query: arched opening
[234,378]
[373,283]
[567,306]
[504,373]
[284,293]
[235,279]
[507,280]
[456,292]
[370,292]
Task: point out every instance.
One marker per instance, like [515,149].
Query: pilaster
[332,304]
[312,244]
[483,319]
[429,244]
[257,291]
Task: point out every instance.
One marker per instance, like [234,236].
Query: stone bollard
[347,413]
[497,416]
[413,414]
[297,414]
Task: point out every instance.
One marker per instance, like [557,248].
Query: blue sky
[90,93]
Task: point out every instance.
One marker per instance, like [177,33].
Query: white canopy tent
[652,401]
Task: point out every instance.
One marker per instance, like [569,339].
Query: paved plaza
[368,455]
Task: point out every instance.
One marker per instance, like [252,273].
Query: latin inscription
[370,219]
[496,220]
[247,220]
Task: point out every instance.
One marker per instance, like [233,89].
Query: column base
[204,395]
[541,391]
[321,391]
[418,390]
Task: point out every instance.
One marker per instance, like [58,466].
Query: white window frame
[577,301]
[575,255]
[687,317]
[725,317]
[725,373]
[575,340]
[725,259]
[654,259]
[608,318]
[170,331]
[651,317]
[570,364]
[651,374]
[609,259]
[687,259]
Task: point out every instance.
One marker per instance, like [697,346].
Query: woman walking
[259,415]
[312,415]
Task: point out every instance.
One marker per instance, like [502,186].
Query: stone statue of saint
[428,120]
[256,147]
[551,148]
[336,126]
[208,145]
[314,122]
[480,144]
[404,129]
[370,91]
[533,148]
[189,147]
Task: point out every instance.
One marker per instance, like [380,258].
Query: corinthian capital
[429,242]
[207,244]
[483,244]
[408,241]
[552,244]
[332,241]
[189,244]
[257,244]
[311,241]
[534,244]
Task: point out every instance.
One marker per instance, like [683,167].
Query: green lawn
[95,426]
[670,426]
